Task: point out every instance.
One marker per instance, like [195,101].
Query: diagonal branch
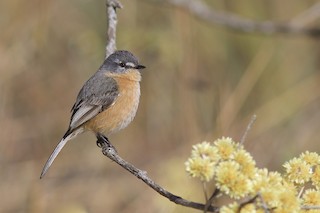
[244,136]
[235,22]
[109,151]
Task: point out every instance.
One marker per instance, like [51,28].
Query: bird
[106,103]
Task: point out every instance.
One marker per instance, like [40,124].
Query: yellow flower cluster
[226,162]
[304,169]
[234,208]
[202,162]
[311,197]
[235,174]
[276,192]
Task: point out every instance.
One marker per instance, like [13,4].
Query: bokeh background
[202,81]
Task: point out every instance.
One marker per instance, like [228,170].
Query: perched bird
[107,102]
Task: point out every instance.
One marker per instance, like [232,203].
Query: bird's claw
[103,141]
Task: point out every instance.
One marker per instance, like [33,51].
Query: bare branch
[210,200]
[112,6]
[253,119]
[307,16]
[253,200]
[235,22]
[310,207]
[109,151]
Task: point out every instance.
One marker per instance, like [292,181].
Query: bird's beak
[139,67]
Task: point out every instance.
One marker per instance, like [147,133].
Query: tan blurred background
[202,81]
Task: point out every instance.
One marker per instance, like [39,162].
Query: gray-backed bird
[107,102]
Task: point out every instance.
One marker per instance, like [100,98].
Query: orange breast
[122,112]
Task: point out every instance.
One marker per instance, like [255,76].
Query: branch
[244,136]
[210,200]
[310,207]
[112,6]
[253,200]
[109,151]
[235,22]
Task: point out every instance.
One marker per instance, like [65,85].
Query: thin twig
[244,136]
[212,197]
[310,207]
[263,203]
[111,153]
[252,200]
[301,191]
[112,6]
[235,22]
[204,188]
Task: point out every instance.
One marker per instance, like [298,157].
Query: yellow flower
[260,181]
[288,202]
[270,185]
[205,150]
[201,168]
[231,208]
[315,178]
[246,162]
[226,147]
[281,200]
[249,208]
[311,158]
[234,208]
[241,187]
[270,197]
[311,197]
[275,179]
[231,181]
[298,171]
[262,185]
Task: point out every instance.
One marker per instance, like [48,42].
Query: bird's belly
[120,114]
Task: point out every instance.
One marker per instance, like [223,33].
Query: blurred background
[202,81]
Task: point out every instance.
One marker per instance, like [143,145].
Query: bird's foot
[103,141]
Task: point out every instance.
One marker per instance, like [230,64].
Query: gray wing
[96,95]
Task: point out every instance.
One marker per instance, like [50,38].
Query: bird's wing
[97,94]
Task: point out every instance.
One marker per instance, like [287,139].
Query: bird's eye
[121,64]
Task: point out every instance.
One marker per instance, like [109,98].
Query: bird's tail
[68,136]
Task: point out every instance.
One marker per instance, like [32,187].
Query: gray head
[120,61]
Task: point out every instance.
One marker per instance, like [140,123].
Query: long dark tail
[68,136]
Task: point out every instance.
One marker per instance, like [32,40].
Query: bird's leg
[102,141]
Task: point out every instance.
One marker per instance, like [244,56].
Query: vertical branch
[112,6]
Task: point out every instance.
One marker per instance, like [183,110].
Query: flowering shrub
[234,173]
